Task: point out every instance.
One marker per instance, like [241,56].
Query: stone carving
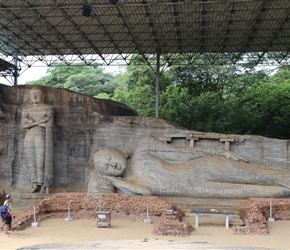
[83,125]
[37,119]
[160,169]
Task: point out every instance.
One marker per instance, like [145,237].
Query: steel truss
[51,31]
[259,58]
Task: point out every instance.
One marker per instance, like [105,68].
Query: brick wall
[85,205]
[172,225]
[256,211]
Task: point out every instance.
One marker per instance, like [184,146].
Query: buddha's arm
[44,121]
[47,120]
[26,121]
[128,187]
[29,123]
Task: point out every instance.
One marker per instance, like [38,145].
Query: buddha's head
[36,95]
[111,162]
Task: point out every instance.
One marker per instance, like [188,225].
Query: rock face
[83,125]
[75,121]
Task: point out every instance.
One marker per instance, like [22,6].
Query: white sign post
[271,219]
[147,220]
[68,213]
[34,223]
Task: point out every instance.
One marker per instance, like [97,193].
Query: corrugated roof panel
[134,26]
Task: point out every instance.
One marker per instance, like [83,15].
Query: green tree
[196,113]
[282,75]
[57,74]
[78,77]
[223,77]
[199,96]
[141,98]
[91,81]
[136,88]
[263,110]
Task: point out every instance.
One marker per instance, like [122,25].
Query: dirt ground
[84,234]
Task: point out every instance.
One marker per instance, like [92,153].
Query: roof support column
[15,71]
[157,84]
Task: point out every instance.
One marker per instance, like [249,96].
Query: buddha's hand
[118,182]
[130,187]
[110,178]
[44,119]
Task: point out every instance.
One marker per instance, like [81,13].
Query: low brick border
[256,211]
[85,206]
[172,225]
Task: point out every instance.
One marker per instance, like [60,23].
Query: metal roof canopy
[57,30]
[7,69]
[5,66]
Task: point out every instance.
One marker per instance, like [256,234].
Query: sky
[33,73]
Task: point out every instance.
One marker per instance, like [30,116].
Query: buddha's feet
[35,188]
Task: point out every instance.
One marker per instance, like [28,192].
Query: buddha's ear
[120,151]
[124,153]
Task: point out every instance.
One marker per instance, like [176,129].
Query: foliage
[103,96]
[201,98]
[227,79]
[263,110]
[89,80]
[141,98]
[281,76]
[136,88]
[200,113]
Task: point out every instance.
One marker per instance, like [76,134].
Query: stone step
[231,217]
[209,220]
[187,209]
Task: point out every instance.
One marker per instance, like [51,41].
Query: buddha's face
[36,96]
[110,162]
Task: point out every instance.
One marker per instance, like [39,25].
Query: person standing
[8,220]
